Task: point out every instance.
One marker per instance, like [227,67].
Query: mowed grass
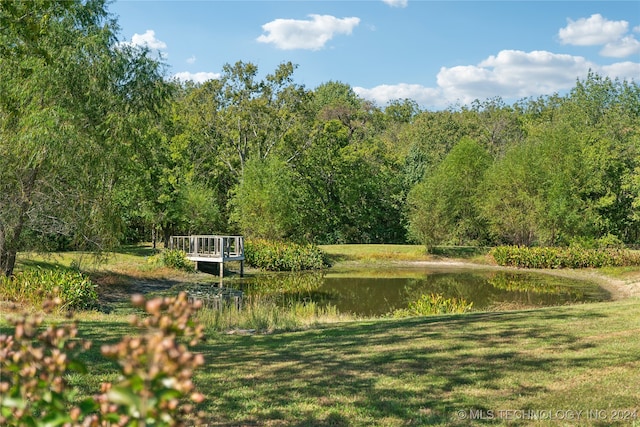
[452,370]
[438,370]
[423,371]
[384,253]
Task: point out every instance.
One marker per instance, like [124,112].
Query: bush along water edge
[284,256]
[569,257]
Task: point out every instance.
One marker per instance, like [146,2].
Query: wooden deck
[211,248]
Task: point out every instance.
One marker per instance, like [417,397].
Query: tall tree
[224,123]
[67,106]
[443,208]
[264,202]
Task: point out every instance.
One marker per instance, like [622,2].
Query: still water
[372,292]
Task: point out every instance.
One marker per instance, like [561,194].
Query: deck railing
[210,246]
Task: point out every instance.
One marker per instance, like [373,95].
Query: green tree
[67,115]
[222,124]
[429,139]
[606,115]
[443,208]
[511,203]
[264,202]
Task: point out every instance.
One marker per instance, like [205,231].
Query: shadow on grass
[45,264]
[408,372]
[138,250]
[333,259]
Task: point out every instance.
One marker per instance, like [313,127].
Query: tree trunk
[9,244]
[7,262]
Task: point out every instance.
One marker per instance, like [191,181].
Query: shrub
[432,304]
[280,256]
[155,386]
[173,258]
[33,286]
[571,257]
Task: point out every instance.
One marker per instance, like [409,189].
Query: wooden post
[221,265]
[241,268]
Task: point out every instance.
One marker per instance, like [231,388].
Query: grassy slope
[419,371]
[422,371]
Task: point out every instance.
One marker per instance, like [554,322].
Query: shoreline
[618,288]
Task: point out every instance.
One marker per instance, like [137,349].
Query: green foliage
[174,258]
[155,387]
[263,204]
[70,119]
[571,257]
[432,304]
[34,286]
[96,148]
[443,208]
[265,314]
[281,256]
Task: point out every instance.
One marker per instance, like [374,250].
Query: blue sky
[438,53]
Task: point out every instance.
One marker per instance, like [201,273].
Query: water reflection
[376,292]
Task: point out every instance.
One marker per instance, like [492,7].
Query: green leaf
[124,396]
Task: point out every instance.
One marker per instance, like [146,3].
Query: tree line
[99,147]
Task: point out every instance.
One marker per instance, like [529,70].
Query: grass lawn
[568,365]
[438,370]
[381,253]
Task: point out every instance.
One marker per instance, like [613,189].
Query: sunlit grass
[623,273]
[328,370]
[383,253]
[341,253]
[427,369]
[416,371]
[262,315]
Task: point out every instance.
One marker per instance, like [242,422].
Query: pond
[374,292]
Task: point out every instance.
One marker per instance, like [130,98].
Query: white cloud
[511,74]
[313,34]
[200,77]
[592,31]
[384,93]
[149,40]
[192,59]
[599,31]
[397,3]
[623,70]
[624,47]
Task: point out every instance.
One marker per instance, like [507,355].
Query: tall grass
[432,304]
[34,286]
[262,314]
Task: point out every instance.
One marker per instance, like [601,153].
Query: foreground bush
[571,257]
[34,286]
[154,388]
[280,256]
